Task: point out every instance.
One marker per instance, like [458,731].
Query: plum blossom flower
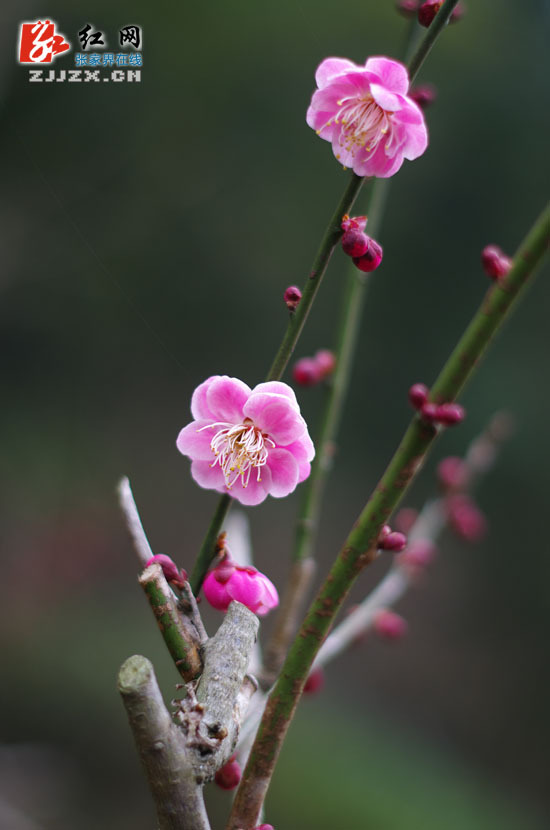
[366,114]
[229,581]
[249,443]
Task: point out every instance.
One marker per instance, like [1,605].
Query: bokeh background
[148,233]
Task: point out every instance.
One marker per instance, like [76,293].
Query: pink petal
[344,152]
[389,101]
[215,592]
[392,74]
[270,598]
[275,416]
[211,478]
[410,113]
[226,397]
[332,67]
[284,473]
[303,451]
[255,491]
[276,387]
[246,588]
[199,405]
[379,164]
[196,443]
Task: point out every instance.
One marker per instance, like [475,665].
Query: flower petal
[389,101]
[304,452]
[246,588]
[332,67]
[226,397]
[199,405]
[393,75]
[275,415]
[276,387]
[255,491]
[194,440]
[284,473]
[211,478]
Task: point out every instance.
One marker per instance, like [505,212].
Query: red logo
[40,43]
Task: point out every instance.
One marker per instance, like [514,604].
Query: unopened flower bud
[405,519]
[452,473]
[427,11]
[389,625]
[495,262]
[407,7]
[418,395]
[229,581]
[265,827]
[355,243]
[450,414]
[306,372]
[429,411]
[326,362]
[465,518]
[353,223]
[315,682]
[419,553]
[169,569]
[384,533]
[371,259]
[457,13]
[393,541]
[292,297]
[424,95]
[228,776]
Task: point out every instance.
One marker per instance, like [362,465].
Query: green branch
[360,547]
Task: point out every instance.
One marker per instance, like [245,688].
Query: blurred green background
[148,233]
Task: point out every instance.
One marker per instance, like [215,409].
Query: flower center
[364,124]
[237,449]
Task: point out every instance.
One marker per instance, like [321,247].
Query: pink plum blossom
[249,443]
[366,114]
[229,581]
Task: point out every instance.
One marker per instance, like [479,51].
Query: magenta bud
[389,625]
[228,776]
[495,262]
[306,372]
[384,533]
[407,7]
[418,394]
[355,243]
[465,518]
[424,95]
[315,682]
[428,412]
[452,473]
[457,13]
[265,827]
[419,553]
[394,541]
[326,362]
[372,259]
[427,11]
[169,569]
[450,414]
[353,223]
[405,519]
[292,297]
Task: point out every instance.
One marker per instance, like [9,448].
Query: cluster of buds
[428,10]
[463,514]
[495,262]
[365,251]
[444,414]
[228,581]
[170,569]
[309,371]
[292,297]
[392,540]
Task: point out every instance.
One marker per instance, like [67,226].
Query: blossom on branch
[366,114]
[249,443]
[229,581]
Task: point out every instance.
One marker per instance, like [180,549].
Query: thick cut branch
[161,746]
[179,633]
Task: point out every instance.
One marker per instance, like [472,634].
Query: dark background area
[148,233]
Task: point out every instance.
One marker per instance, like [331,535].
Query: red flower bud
[169,569]
[393,541]
[355,243]
[315,682]
[389,625]
[326,362]
[457,13]
[228,776]
[450,414]
[465,518]
[371,259]
[355,223]
[418,395]
[265,827]
[407,7]
[292,297]
[306,372]
[452,473]
[424,95]
[429,411]
[495,262]
[427,11]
